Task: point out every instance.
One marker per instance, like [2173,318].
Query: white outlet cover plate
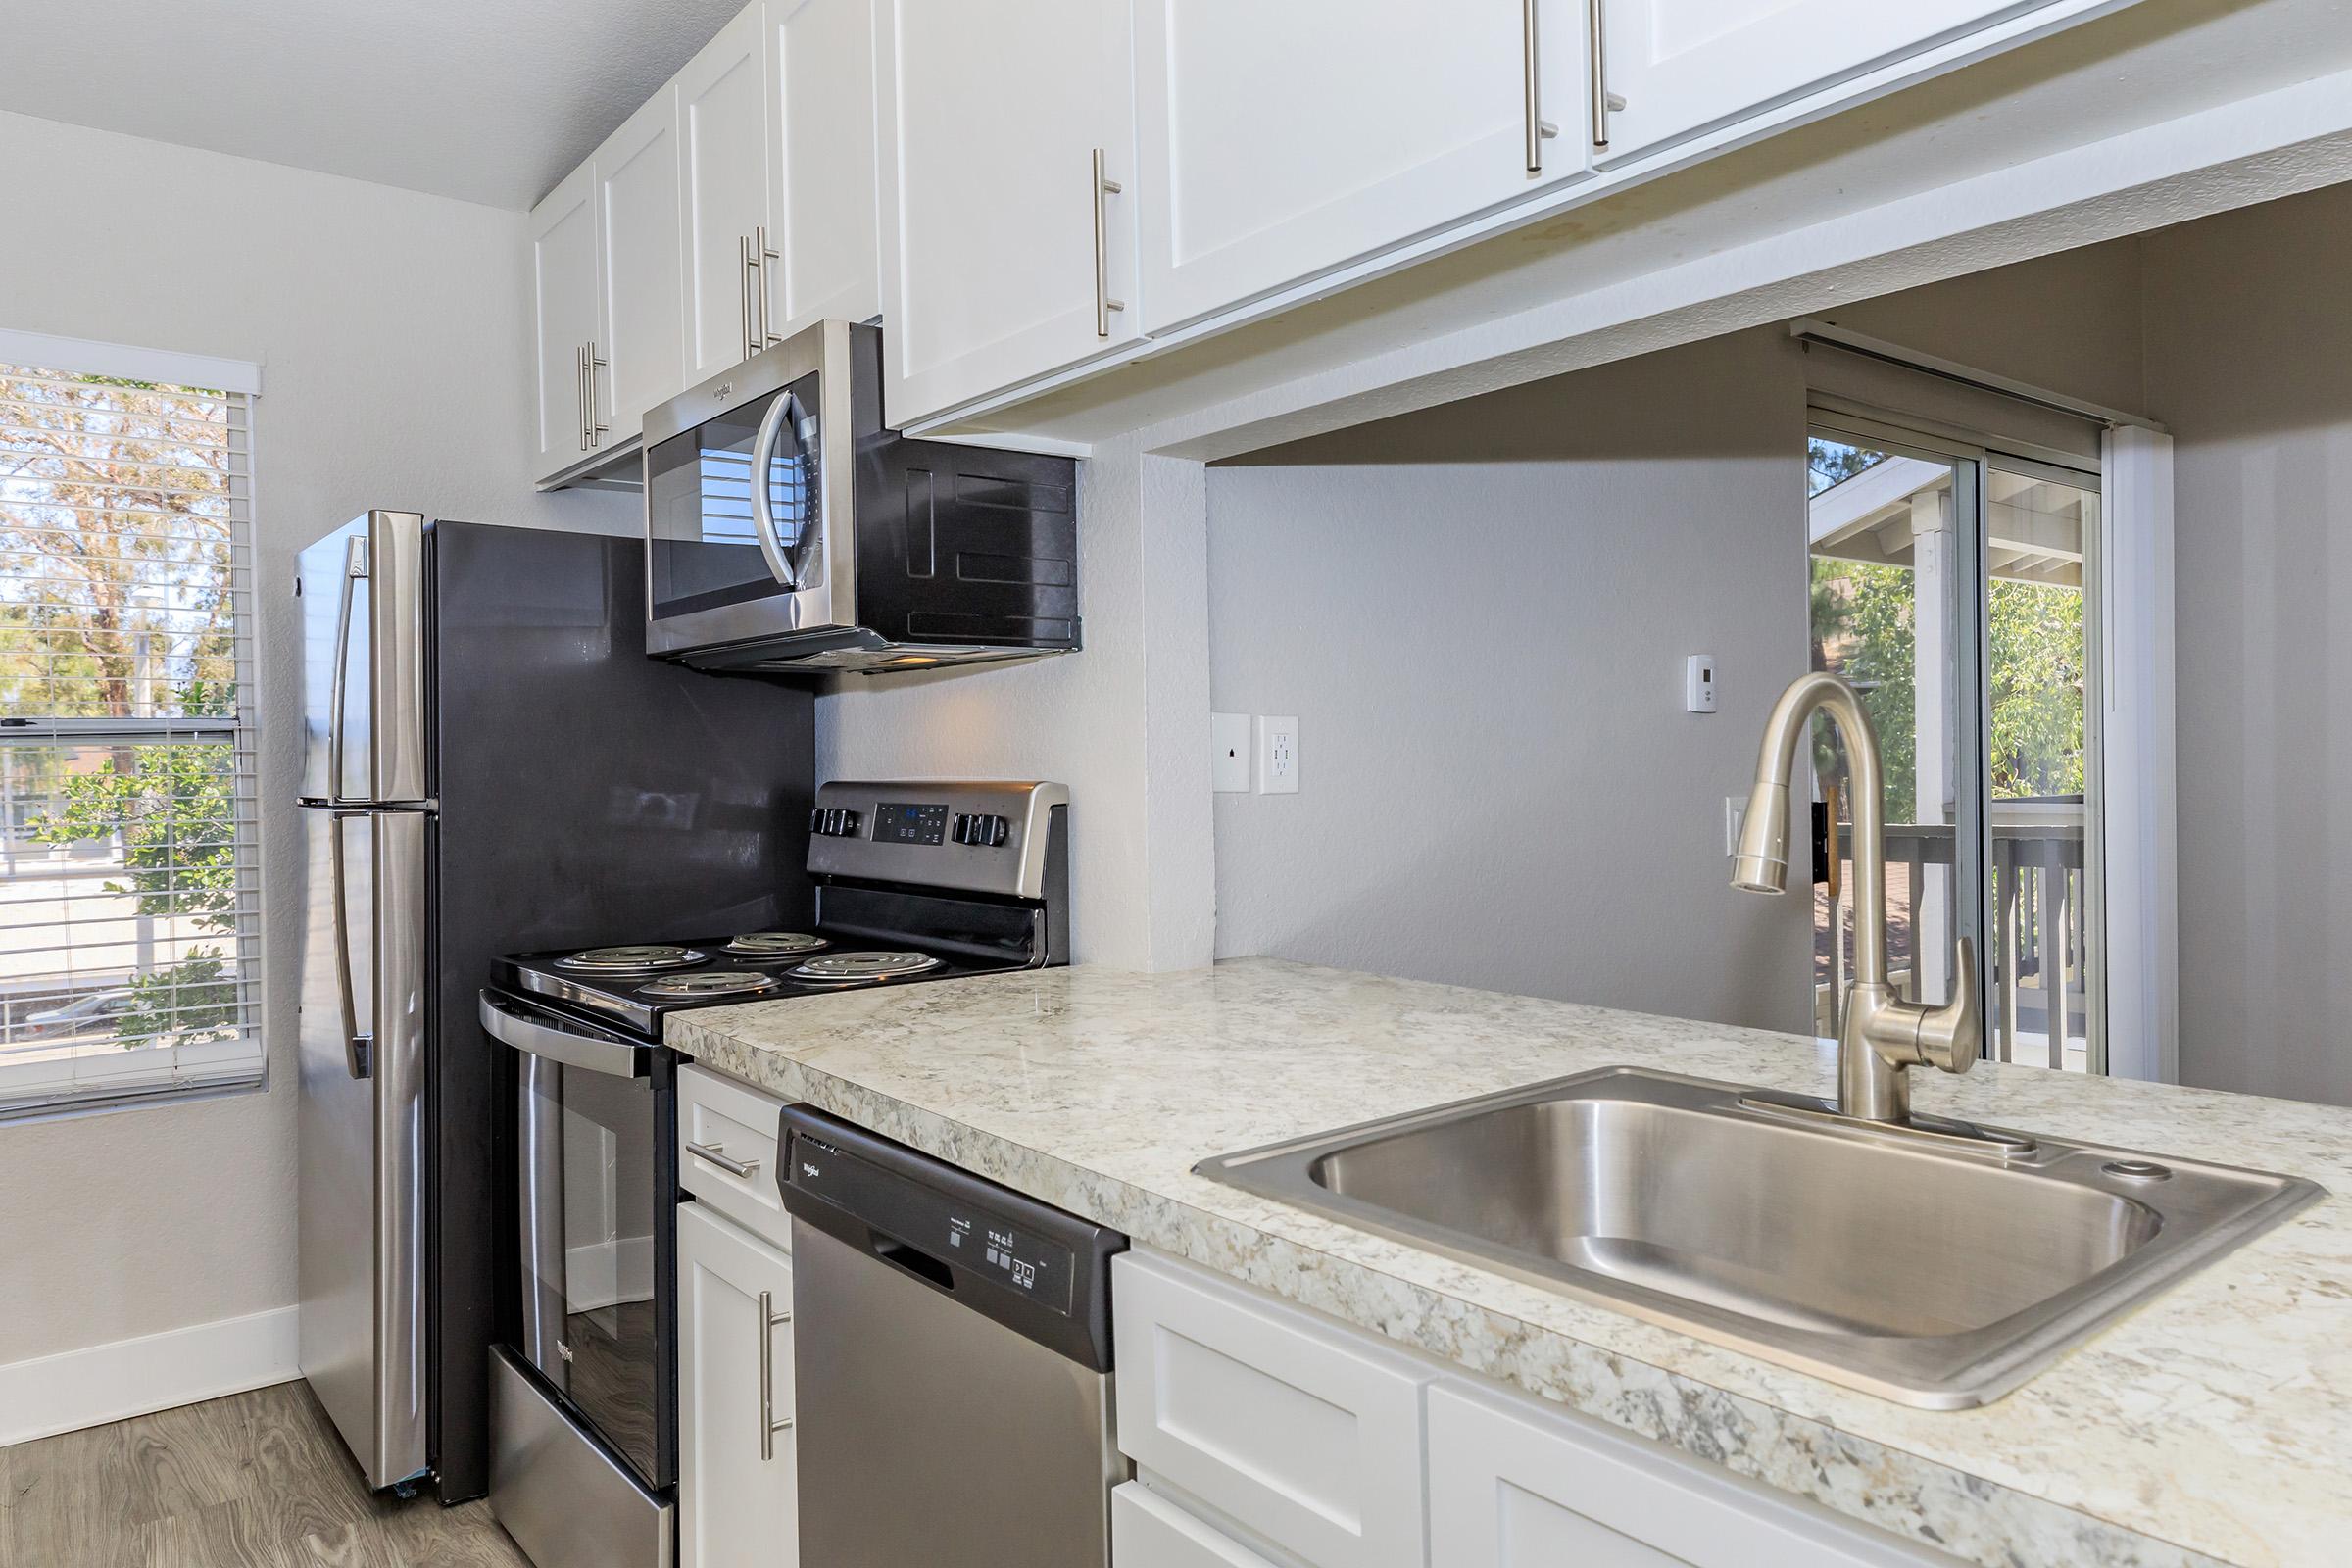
[1229,756]
[1278,755]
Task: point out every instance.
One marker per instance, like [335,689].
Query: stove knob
[997,830]
[962,832]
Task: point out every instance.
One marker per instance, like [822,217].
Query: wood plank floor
[255,1480]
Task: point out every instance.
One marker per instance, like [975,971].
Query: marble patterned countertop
[2212,1425]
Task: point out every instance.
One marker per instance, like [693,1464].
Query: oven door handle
[785,567]
[618,1059]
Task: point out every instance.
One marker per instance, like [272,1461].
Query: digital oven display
[901,824]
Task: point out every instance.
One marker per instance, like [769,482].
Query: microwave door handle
[763,517]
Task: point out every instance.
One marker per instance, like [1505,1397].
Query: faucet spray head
[1762,862]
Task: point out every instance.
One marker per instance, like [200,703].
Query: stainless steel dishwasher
[951,1362]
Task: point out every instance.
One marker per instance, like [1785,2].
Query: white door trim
[113,1382]
[2141,819]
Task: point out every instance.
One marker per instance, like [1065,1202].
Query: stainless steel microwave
[787,528]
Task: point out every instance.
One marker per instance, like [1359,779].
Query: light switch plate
[1229,758]
[1278,755]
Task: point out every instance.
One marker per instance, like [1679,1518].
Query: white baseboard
[101,1382]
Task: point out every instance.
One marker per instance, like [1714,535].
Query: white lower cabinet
[1265,1434]
[738,1488]
[1148,1531]
[1296,1427]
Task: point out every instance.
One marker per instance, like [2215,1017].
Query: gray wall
[1480,615]
[2249,359]
[391,328]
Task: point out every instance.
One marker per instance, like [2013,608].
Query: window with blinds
[129,937]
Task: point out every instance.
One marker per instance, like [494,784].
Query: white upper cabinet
[1282,142]
[563,320]
[1004,257]
[723,140]
[1682,67]
[640,338]
[820,139]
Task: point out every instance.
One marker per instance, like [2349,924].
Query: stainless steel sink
[1937,1265]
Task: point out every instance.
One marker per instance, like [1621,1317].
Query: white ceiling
[485,100]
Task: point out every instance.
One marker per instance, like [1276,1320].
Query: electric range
[913,882]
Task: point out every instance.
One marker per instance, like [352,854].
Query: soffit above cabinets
[484,103]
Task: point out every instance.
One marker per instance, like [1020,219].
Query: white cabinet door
[1281,141]
[1684,65]
[723,149]
[1515,1486]
[737,1506]
[1296,1427]
[820,139]
[640,308]
[994,119]
[564,304]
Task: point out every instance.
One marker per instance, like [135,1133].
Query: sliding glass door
[1952,586]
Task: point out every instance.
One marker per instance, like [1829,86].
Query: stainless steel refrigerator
[491,764]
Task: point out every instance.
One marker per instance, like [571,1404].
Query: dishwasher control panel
[937,1228]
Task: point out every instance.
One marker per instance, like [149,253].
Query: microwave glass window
[704,548]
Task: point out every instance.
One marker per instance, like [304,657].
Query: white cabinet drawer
[1512,1485]
[1148,1531]
[722,1125]
[1298,1429]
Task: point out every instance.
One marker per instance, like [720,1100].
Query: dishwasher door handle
[912,1259]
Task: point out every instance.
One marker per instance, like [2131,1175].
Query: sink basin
[1937,1267]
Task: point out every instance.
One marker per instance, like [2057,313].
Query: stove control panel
[975,834]
[982,830]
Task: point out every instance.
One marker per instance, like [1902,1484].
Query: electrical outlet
[1229,756]
[1278,755]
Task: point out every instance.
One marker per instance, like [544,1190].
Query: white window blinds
[129,934]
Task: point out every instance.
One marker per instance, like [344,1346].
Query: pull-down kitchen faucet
[1882,1035]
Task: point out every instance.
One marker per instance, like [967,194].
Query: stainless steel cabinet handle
[1104,303]
[716,1154]
[770,1320]
[1596,58]
[760,257]
[596,427]
[749,258]
[743,291]
[355,1042]
[1537,128]
[579,390]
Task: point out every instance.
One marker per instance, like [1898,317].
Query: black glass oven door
[588,1169]
[704,545]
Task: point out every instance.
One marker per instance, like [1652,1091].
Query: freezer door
[362,590]
[360,1129]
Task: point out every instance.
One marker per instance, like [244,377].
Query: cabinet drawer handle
[579,390]
[1103,186]
[770,1423]
[1537,128]
[716,1154]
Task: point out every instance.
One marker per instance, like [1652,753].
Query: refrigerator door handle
[357,1043]
[396,645]
[355,569]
